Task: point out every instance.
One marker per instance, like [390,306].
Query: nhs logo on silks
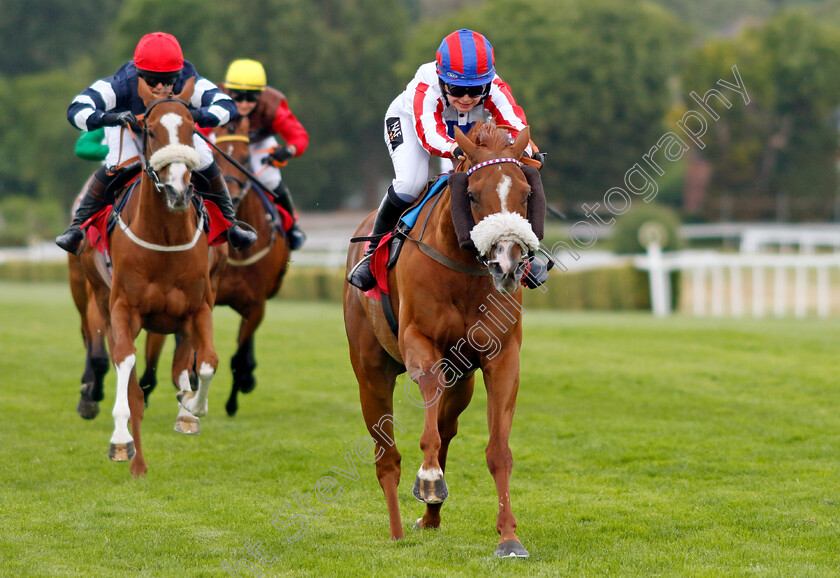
[395,134]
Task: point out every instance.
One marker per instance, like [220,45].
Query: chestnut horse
[458,310]
[251,277]
[161,277]
[93,336]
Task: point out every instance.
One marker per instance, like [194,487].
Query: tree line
[600,80]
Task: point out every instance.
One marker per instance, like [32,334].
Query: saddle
[100,226]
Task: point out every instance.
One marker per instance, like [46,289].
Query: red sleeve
[205,130]
[286,125]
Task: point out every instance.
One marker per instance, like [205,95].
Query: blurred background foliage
[600,81]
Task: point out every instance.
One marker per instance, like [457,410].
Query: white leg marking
[197,405]
[184,381]
[121,411]
[430,475]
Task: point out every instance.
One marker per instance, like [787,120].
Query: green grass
[642,447]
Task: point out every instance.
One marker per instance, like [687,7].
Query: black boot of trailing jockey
[295,236]
[386,219]
[238,238]
[92,202]
[536,275]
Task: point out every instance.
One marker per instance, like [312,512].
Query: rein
[439,257]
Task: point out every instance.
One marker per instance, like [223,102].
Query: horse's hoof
[231,407]
[511,549]
[430,491]
[417,525]
[186,424]
[87,409]
[121,452]
[246,384]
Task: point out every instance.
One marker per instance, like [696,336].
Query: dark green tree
[592,76]
[776,157]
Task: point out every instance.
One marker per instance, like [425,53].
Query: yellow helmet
[245,74]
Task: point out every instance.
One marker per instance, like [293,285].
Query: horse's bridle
[244,184]
[144,162]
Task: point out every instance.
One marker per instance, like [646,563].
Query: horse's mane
[487,134]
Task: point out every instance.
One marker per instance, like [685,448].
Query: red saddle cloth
[97,227]
[286,219]
[379,268]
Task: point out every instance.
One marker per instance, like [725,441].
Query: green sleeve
[91,145]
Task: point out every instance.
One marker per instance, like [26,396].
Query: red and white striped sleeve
[501,104]
[427,110]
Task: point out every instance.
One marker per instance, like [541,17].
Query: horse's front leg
[182,365]
[501,378]
[424,365]
[206,360]
[242,364]
[125,325]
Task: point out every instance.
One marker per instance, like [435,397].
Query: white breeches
[411,161]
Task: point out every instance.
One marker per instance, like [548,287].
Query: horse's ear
[466,144]
[145,92]
[187,92]
[522,140]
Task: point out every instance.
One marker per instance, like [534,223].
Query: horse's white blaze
[121,411]
[502,256]
[174,152]
[171,122]
[503,190]
[175,177]
[432,475]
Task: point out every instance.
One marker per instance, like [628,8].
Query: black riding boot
[386,219]
[239,238]
[295,236]
[92,202]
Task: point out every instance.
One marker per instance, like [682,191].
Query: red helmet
[158,52]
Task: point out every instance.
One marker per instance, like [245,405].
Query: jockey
[460,88]
[113,103]
[269,114]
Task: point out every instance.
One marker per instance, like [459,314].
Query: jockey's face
[246,101]
[161,90]
[464,103]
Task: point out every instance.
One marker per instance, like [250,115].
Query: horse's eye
[471,197]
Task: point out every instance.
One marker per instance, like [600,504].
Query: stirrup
[372,283]
[295,237]
[74,246]
[247,232]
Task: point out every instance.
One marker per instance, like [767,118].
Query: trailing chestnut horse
[251,277]
[459,310]
[161,278]
[93,336]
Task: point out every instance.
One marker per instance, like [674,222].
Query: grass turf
[642,447]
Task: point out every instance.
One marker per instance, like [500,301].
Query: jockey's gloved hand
[279,155]
[126,119]
[541,158]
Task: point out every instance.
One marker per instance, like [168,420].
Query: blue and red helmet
[465,58]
